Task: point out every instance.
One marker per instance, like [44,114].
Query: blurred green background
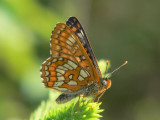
[118,30]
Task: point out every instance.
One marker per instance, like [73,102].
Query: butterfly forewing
[77,28]
[62,43]
[65,43]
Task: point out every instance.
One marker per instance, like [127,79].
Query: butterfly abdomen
[65,97]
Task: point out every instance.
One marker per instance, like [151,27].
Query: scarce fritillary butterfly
[72,67]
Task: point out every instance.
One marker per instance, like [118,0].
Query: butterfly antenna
[118,68]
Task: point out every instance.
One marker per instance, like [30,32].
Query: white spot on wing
[74,19]
[50,51]
[58,84]
[68,42]
[67,66]
[42,79]
[80,78]
[61,78]
[87,73]
[72,64]
[63,68]
[58,74]
[49,63]
[61,29]
[60,71]
[71,82]
[46,73]
[48,58]
[58,31]
[45,68]
[50,43]
[83,58]
[63,26]
[61,89]
[40,67]
[80,35]
[70,76]
[73,36]
[71,39]
[83,73]
[44,62]
[60,59]
[40,73]
[54,60]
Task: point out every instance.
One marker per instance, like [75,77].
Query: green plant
[50,110]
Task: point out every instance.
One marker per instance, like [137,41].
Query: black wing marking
[75,25]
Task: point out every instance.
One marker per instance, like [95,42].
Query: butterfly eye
[104,82]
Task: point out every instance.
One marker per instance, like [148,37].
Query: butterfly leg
[82,97]
[95,97]
[101,95]
[77,103]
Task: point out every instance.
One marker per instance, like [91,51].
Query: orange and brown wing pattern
[61,43]
[64,75]
[66,44]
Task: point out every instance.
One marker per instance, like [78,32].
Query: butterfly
[72,67]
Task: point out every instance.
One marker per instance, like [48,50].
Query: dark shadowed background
[118,30]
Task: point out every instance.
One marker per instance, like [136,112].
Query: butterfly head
[106,83]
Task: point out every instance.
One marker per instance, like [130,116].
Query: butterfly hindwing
[64,75]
